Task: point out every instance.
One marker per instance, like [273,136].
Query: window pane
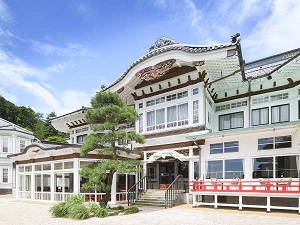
[183,114]
[171,116]
[183,169]
[150,118]
[234,169]
[214,169]
[216,148]
[264,116]
[265,143]
[255,117]
[283,142]
[5,145]
[286,166]
[196,171]
[224,122]
[237,120]
[160,119]
[284,113]
[263,167]
[231,146]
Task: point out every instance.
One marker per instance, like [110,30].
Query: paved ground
[15,212]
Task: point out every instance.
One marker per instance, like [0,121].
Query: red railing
[284,185]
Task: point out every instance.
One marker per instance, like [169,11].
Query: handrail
[136,190]
[175,188]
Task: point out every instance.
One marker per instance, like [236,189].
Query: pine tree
[108,115]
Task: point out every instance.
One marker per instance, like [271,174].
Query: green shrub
[59,210]
[131,210]
[117,208]
[101,212]
[93,207]
[76,198]
[78,211]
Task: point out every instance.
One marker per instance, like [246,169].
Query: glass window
[280,113]
[265,143]
[38,167]
[151,121]
[5,145]
[58,166]
[150,103]
[216,148]
[160,119]
[234,168]
[81,138]
[140,105]
[5,175]
[195,112]
[195,91]
[141,123]
[231,146]
[286,166]
[160,100]
[197,171]
[231,121]
[183,114]
[263,167]
[68,165]
[171,116]
[22,145]
[283,141]
[214,169]
[47,166]
[260,116]
[183,169]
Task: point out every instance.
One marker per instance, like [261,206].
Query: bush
[101,212]
[93,207]
[78,211]
[117,208]
[131,210]
[59,210]
[76,198]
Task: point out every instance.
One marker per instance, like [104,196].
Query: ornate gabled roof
[164,44]
[9,126]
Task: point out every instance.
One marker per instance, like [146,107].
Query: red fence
[284,185]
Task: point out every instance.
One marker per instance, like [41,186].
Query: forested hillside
[30,120]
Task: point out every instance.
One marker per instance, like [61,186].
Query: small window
[283,142]
[5,175]
[216,148]
[81,138]
[5,145]
[22,145]
[265,143]
[231,146]
[140,105]
[280,113]
[260,116]
[195,91]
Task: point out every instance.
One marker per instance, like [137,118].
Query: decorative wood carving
[173,72]
[196,152]
[120,90]
[198,63]
[161,42]
[184,152]
[149,154]
[156,71]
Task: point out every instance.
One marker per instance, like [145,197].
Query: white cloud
[276,33]
[59,67]
[70,49]
[5,15]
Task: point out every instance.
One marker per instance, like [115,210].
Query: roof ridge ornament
[235,38]
[161,42]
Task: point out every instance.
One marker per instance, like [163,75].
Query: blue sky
[55,54]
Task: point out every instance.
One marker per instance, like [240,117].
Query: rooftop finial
[161,42]
[234,38]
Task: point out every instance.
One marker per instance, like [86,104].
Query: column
[52,182]
[240,203]
[32,184]
[114,189]
[17,181]
[76,178]
[268,204]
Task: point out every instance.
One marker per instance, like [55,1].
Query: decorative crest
[161,42]
[156,71]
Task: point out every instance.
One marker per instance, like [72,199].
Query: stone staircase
[152,198]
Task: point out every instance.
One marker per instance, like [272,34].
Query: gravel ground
[14,212]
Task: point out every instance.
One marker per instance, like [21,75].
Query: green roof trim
[195,136]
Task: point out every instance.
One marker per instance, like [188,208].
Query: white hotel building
[205,114]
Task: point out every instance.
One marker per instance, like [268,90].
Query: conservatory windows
[280,113]
[260,116]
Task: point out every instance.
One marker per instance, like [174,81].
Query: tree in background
[108,116]
[27,118]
